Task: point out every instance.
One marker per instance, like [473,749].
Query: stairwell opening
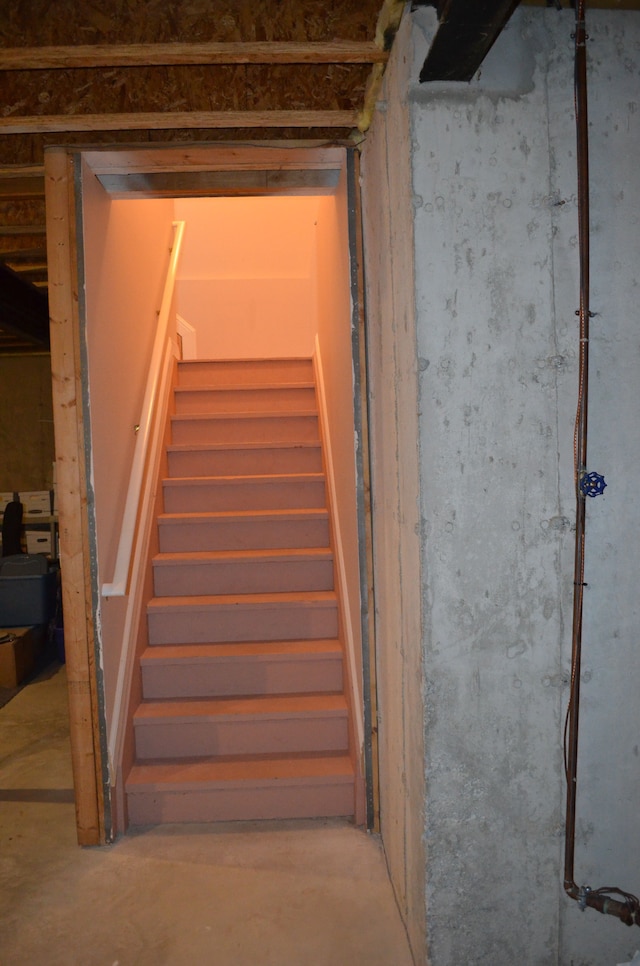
[270,268]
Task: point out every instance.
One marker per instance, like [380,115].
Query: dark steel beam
[466,32]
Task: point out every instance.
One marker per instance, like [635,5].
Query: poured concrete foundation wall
[472,287]
[494,196]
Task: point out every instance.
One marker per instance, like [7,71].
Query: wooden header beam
[154,55]
[160,121]
[211,184]
[207,156]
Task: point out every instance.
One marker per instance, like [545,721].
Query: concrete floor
[280,894]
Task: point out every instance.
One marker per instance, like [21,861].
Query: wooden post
[84,715]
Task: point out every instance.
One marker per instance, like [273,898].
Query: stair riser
[243,535]
[253,429]
[249,803]
[218,496]
[249,462]
[247,400]
[247,676]
[249,372]
[241,623]
[258,735]
[244,577]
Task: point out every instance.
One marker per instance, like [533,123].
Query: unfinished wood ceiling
[141,72]
[144,72]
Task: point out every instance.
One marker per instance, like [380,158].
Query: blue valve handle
[592,484]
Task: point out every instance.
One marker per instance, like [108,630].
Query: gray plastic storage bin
[27,599]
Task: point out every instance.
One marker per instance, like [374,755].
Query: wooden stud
[150,55]
[22,170]
[29,186]
[14,230]
[366,557]
[23,264]
[388,24]
[19,255]
[175,120]
[84,718]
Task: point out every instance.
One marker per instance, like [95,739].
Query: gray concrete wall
[494,195]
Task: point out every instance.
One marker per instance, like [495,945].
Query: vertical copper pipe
[627,909]
[580,439]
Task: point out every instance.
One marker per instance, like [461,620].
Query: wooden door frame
[140,171]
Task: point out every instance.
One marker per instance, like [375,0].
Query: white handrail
[118,587]
[341,573]
[134,603]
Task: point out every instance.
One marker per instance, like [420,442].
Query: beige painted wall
[126,248]
[241,318]
[392,360]
[245,275]
[26,423]
[333,303]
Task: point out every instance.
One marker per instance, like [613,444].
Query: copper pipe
[580,439]
[627,910]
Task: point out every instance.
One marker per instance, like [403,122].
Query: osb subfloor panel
[294,894]
[39,22]
[35,23]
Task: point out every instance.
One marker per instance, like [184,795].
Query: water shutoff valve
[592,484]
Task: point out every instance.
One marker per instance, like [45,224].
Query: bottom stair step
[242,789]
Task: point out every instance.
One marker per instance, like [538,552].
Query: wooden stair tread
[260,361]
[254,446]
[229,516]
[187,709]
[249,414]
[241,386]
[248,387]
[260,650]
[241,556]
[265,768]
[316,597]
[274,478]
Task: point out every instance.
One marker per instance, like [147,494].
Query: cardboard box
[35,503]
[4,499]
[38,541]
[19,655]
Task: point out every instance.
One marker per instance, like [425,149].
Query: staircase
[244,714]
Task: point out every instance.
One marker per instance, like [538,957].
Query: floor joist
[148,55]
[62,123]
